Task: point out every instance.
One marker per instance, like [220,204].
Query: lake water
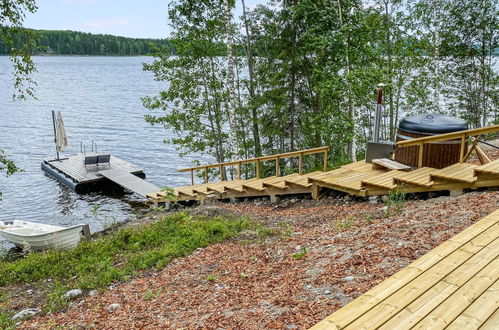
[99,98]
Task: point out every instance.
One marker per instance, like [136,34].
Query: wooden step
[389,164]
[460,172]
[419,177]
[489,169]
[384,180]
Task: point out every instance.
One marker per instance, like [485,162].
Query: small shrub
[395,203]
[213,277]
[301,254]
[150,295]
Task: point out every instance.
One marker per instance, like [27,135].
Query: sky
[128,18]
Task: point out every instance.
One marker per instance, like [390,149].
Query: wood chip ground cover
[349,249]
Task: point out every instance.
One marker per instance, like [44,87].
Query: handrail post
[300,163]
[206,174]
[257,169]
[239,170]
[420,154]
[325,160]
[277,166]
[221,168]
[463,145]
[192,177]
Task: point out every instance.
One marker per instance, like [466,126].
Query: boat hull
[58,237]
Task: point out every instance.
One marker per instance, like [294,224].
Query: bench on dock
[97,160]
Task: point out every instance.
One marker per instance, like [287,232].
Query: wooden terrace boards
[454,286]
[358,178]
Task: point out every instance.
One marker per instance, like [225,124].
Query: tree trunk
[251,74]
[231,83]
[352,148]
[436,56]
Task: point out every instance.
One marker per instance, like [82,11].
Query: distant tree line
[81,43]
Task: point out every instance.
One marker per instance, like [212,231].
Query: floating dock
[71,171]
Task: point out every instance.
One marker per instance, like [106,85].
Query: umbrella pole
[55,134]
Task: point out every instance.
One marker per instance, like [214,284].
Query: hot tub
[436,155]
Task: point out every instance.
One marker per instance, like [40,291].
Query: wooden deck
[359,179]
[454,286]
[73,167]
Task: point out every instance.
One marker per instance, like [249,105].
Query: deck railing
[300,154]
[462,135]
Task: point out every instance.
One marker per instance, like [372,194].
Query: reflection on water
[99,98]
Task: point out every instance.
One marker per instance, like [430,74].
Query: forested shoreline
[309,72]
[56,42]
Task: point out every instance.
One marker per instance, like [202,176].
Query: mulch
[272,283]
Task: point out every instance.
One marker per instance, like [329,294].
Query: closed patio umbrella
[61,139]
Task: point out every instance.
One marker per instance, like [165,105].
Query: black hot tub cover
[432,123]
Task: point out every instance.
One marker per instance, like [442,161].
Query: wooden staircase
[359,179]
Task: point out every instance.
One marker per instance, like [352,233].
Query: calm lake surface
[99,98]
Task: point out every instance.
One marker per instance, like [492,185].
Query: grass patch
[5,321]
[121,254]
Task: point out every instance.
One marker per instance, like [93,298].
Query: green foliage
[122,253]
[310,68]
[5,320]
[213,277]
[55,298]
[150,294]
[395,203]
[301,254]
[345,224]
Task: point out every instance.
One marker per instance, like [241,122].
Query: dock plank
[129,181]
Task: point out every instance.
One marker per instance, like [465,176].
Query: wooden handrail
[263,158]
[448,136]
[257,161]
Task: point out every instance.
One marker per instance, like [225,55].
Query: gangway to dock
[129,181]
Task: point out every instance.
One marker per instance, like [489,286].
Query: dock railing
[300,154]
[462,135]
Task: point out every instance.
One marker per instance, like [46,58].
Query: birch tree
[231,85]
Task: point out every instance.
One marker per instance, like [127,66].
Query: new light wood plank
[440,262]
[389,164]
[446,312]
[479,311]
[419,177]
[492,322]
[434,296]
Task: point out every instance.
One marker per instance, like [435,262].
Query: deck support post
[315,191]
[325,160]
[274,199]
[463,147]
[300,163]
[420,155]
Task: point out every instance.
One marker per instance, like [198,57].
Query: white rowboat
[39,236]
